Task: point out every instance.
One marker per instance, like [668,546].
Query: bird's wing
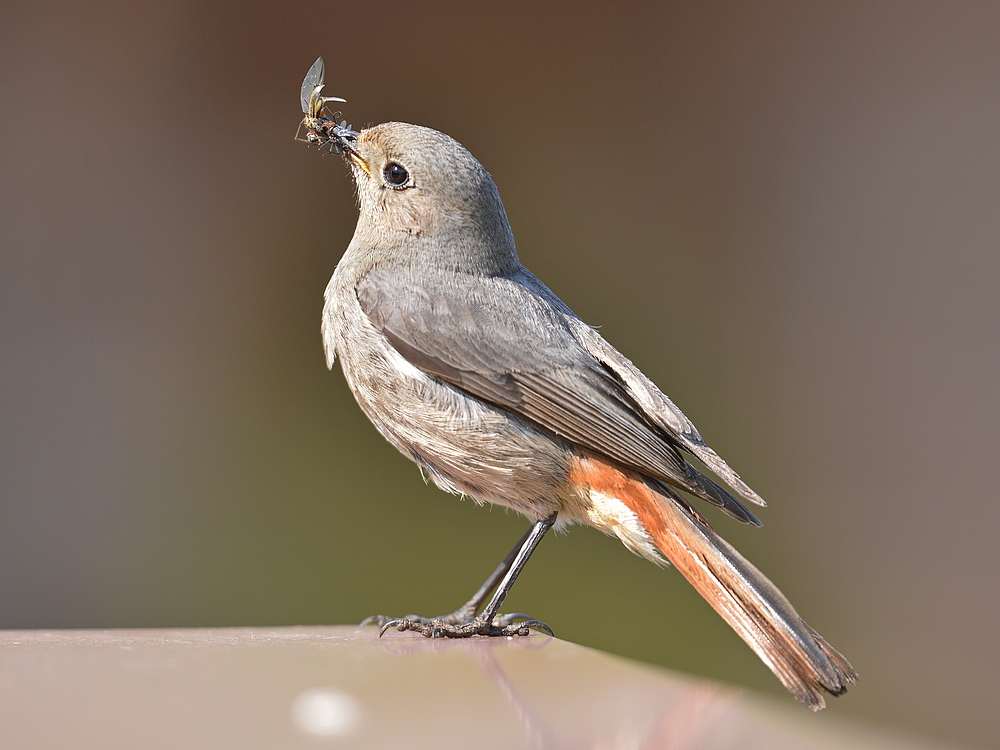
[659,409]
[509,341]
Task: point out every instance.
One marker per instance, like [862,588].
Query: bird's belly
[465,445]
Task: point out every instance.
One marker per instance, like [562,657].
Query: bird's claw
[450,626]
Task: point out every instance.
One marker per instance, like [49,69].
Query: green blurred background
[785,213]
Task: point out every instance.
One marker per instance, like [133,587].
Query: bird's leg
[464,622]
[467,612]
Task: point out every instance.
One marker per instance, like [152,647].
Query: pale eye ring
[395,174]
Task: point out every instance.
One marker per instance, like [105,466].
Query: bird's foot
[463,623]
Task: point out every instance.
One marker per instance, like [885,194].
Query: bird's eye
[395,174]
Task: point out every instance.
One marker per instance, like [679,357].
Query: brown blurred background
[785,213]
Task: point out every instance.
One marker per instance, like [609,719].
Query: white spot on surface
[326,712]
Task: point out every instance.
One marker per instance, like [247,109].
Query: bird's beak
[344,141]
[358,162]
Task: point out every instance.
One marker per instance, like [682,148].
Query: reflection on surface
[566,696]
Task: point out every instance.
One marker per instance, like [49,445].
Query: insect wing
[311,86]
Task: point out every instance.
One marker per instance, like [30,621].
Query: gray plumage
[452,298]
[473,368]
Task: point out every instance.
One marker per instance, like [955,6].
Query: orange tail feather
[753,606]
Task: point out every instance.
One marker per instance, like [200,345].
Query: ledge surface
[340,686]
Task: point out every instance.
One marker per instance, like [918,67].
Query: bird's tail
[805,663]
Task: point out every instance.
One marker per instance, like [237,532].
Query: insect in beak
[320,124]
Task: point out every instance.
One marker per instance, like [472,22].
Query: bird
[472,368]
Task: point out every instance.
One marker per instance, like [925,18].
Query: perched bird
[472,368]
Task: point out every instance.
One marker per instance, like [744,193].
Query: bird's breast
[465,444]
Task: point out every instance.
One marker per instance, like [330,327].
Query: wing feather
[509,341]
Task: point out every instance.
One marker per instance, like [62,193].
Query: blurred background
[785,213]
